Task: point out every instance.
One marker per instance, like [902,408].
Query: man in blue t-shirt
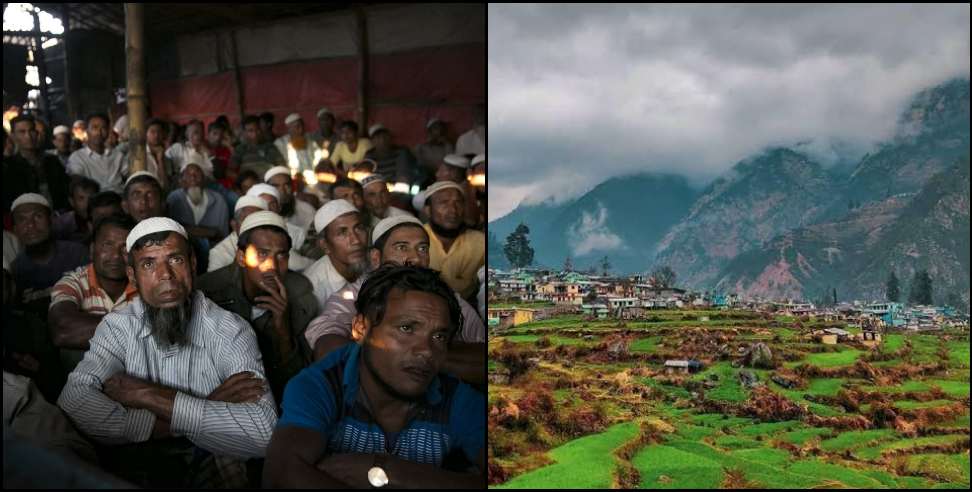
[378,412]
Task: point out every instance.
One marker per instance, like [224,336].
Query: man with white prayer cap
[343,236]
[62,144]
[454,169]
[142,196]
[399,240]
[203,211]
[223,253]
[277,302]
[377,198]
[43,259]
[455,250]
[268,193]
[392,161]
[299,149]
[326,137]
[171,363]
[297,212]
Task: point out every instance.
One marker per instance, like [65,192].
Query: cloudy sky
[581,93]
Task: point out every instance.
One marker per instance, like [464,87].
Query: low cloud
[590,233]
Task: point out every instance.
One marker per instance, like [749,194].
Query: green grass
[802,436]
[644,345]
[767,428]
[945,467]
[554,340]
[665,467]
[956,389]
[911,404]
[834,359]
[586,462]
[892,342]
[729,388]
[925,348]
[958,353]
[856,439]
[874,452]
[736,442]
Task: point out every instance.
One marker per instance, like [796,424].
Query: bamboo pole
[135,92]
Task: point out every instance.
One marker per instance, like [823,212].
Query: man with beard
[171,363]
[343,237]
[379,412]
[201,210]
[224,253]
[299,149]
[297,212]
[83,296]
[276,302]
[455,251]
[399,241]
[377,199]
[44,260]
[142,198]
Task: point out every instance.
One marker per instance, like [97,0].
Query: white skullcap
[151,226]
[386,225]
[371,179]
[198,159]
[59,129]
[250,201]
[27,198]
[418,201]
[140,173]
[273,171]
[330,211]
[324,111]
[122,124]
[78,123]
[375,129]
[456,160]
[291,118]
[263,218]
[432,122]
[479,158]
[263,189]
[439,186]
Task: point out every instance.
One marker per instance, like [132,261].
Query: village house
[685,366]
[510,317]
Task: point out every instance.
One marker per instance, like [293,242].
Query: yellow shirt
[344,158]
[458,267]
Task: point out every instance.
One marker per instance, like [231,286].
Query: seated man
[73,225]
[456,250]
[278,303]
[297,212]
[344,240]
[82,297]
[44,260]
[171,363]
[142,196]
[252,154]
[377,198]
[378,412]
[104,204]
[203,211]
[399,241]
[224,253]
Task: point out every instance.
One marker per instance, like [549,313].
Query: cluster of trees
[921,292]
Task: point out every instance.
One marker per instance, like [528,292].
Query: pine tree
[921,288]
[517,249]
[568,264]
[892,288]
[663,276]
[605,266]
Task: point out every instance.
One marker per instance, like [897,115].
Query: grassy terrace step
[586,462]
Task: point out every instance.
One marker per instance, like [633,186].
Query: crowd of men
[249,310]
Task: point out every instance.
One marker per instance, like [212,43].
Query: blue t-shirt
[324,398]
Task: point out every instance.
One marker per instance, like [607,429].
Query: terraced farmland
[584,404]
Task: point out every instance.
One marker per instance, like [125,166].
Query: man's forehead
[173,243]
[417,303]
[408,233]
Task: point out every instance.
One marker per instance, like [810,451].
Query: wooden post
[70,96]
[361,25]
[41,68]
[239,79]
[135,91]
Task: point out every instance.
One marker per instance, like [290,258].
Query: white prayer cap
[261,189]
[372,179]
[122,124]
[479,158]
[78,123]
[456,160]
[275,171]
[140,173]
[194,158]
[59,129]
[324,111]
[263,218]
[27,198]
[151,226]
[250,201]
[418,201]
[386,225]
[439,186]
[432,122]
[375,129]
[330,211]
[292,118]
